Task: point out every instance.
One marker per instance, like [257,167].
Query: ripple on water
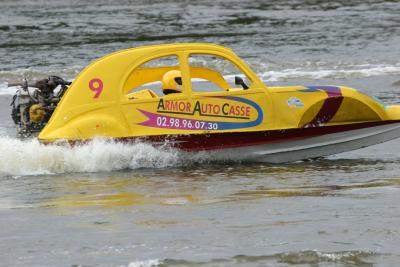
[307,258]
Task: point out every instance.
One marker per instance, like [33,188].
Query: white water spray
[32,158]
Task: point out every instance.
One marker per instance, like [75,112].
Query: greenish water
[107,204]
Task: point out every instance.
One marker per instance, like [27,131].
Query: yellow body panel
[100,101]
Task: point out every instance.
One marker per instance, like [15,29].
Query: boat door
[143,95]
[226,94]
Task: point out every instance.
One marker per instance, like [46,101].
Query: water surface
[107,204]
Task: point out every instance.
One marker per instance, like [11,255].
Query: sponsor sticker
[205,115]
[295,102]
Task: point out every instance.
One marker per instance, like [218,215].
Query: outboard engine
[31,111]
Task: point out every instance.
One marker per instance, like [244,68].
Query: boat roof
[178,46]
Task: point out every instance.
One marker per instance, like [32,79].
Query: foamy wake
[337,73]
[29,157]
[32,158]
[147,263]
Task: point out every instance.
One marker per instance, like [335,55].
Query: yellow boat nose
[393,112]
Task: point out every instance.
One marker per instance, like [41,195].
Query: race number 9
[96,85]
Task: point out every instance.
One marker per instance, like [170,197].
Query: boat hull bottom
[314,147]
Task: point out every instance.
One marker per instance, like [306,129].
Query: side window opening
[211,73]
[154,78]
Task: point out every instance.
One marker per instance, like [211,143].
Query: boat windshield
[211,73]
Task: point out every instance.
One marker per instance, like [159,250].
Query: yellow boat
[198,97]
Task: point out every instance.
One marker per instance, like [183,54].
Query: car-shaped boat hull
[116,97]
